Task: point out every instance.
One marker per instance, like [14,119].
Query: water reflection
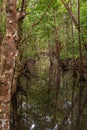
[32,126]
[54,101]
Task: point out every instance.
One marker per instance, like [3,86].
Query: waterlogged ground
[55,100]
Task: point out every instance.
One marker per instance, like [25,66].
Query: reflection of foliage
[41,98]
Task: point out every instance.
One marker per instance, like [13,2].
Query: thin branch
[34,24]
[70,13]
[22,13]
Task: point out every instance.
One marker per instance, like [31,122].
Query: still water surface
[54,101]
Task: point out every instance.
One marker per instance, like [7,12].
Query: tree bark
[79,41]
[7,64]
[14,99]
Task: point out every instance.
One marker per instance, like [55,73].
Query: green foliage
[42,12]
[44,31]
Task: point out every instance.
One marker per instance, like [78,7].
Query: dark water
[54,101]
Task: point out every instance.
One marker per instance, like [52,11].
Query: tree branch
[22,13]
[34,24]
[70,13]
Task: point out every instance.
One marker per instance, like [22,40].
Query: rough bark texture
[14,99]
[7,64]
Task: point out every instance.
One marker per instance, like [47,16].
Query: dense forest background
[40,42]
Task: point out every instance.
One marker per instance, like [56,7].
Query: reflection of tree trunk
[14,105]
[20,100]
[77,125]
[66,90]
[68,114]
[49,87]
[73,89]
[79,107]
[57,85]
[27,101]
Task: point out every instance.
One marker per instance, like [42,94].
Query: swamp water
[53,101]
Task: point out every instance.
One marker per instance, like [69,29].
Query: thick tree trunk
[8,59]
[15,101]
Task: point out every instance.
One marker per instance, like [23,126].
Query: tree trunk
[15,101]
[67,37]
[7,64]
[79,41]
[56,42]
[72,35]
